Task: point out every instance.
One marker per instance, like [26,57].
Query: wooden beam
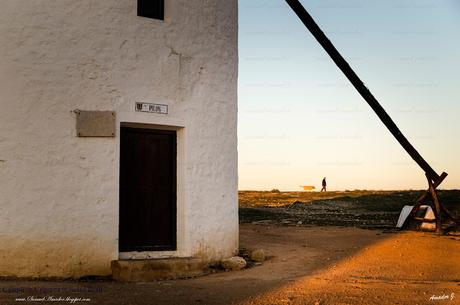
[436,183]
[360,86]
[437,207]
[421,219]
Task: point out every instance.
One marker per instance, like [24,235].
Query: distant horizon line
[344,191]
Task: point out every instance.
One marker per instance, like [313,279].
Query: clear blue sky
[301,120]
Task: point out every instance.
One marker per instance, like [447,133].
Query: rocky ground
[361,209]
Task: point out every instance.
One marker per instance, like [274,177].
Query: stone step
[145,270]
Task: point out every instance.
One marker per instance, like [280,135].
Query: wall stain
[63,257]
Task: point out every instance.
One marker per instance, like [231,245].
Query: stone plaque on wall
[95,123]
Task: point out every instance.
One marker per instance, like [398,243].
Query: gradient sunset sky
[301,120]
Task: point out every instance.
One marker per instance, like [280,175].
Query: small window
[151,9]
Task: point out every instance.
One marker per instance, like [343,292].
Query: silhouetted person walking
[324,184]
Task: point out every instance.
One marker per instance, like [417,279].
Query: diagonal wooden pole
[363,90]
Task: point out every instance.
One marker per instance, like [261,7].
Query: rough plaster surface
[58,192]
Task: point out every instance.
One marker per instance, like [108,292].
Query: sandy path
[405,268]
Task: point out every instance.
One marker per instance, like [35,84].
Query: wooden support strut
[434,179]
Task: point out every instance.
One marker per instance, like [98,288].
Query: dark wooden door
[147,190]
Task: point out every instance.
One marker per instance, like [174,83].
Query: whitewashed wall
[58,192]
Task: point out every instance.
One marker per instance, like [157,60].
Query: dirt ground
[361,209]
[308,263]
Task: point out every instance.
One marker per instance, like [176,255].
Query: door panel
[147,190]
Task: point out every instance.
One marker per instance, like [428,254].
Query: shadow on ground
[293,253]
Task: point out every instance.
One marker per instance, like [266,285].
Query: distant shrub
[275,191]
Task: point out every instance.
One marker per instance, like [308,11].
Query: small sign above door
[152,108]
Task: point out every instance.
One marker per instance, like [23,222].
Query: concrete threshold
[145,270]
